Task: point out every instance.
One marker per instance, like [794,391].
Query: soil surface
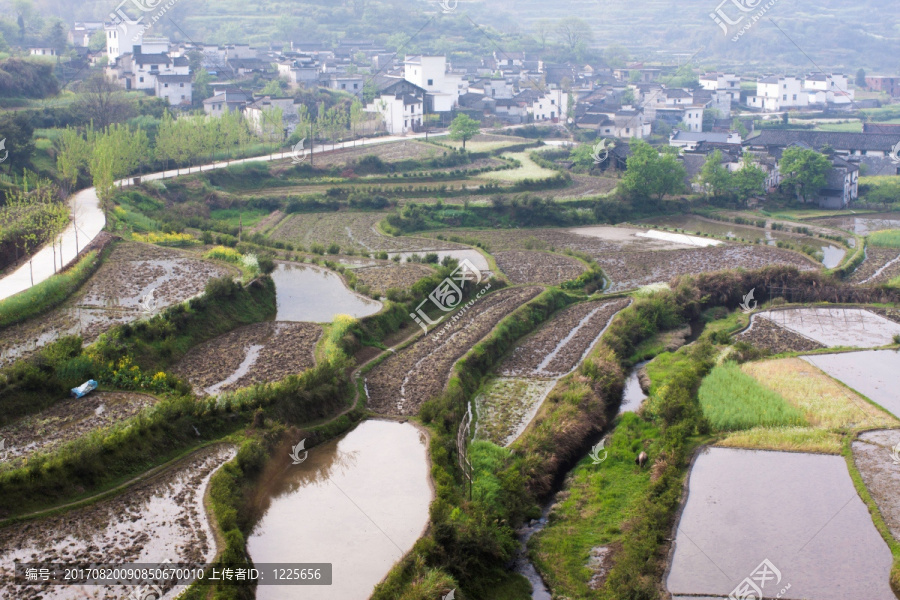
[558,346]
[879,465]
[156,520]
[881,265]
[538,267]
[381,278]
[765,334]
[136,281]
[66,421]
[281,349]
[402,382]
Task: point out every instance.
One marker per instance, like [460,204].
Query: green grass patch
[50,292]
[592,509]
[732,400]
[234,217]
[889,238]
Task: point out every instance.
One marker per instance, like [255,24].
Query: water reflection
[306,293]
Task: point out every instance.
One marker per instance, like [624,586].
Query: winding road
[88,219]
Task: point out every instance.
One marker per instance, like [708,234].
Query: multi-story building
[778,94]
[443,88]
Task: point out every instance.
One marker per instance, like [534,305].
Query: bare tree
[574,33]
[103,102]
[543,29]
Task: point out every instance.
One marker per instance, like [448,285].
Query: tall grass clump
[889,238]
[732,400]
[48,293]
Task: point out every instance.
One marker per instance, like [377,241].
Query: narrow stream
[632,398]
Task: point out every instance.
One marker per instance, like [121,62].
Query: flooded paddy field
[873,373]
[832,255]
[473,256]
[834,327]
[259,353]
[880,266]
[359,502]
[159,519]
[351,230]
[766,334]
[312,294]
[403,381]
[873,454]
[629,270]
[136,281]
[863,224]
[68,420]
[538,267]
[747,506]
[509,401]
[383,277]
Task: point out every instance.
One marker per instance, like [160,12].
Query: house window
[431,82]
[343,86]
[181,85]
[355,86]
[405,123]
[795,96]
[141,80]
[165,85]
[784,97]
[628,130]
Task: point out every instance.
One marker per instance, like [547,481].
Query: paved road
[88,219]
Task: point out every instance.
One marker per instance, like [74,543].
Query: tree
[103,102]
[650,174]
[715,177]
[574,34]
[464,128]
[98,41]
[56,38]
[750,180]
[861,78]
[274,88]
[72,157]
[804,169]
[202,89]
[616,56]
[357,115]
[543,28]
[17,131]
[710,115]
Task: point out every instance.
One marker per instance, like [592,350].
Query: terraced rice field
[528,170]
[538,267]
[486,142]
[766,334]
[880,266]
[833,327]
[392,152]
[384,277]
[350,230]
[402,382]
[160,519]
[629,270]
[525,378]
[880,476]
[259,353]
[136,281]
[67,421]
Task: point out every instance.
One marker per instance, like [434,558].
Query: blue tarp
[85,388]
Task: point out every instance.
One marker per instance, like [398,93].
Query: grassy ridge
[889,238]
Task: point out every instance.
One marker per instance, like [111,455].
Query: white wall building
[779,93]
[550,106]
[831,88]
[722,82]
[431,74]
[401,113]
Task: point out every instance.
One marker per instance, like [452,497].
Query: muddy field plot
[881,265]
[392,152]
[629,270]
[559,345]
[259,353]
[507,405]
[137,280]
[385,277]
[767,335]
[160,519]
[539,267]
[583,186]
[356,230]
[68,420]
[402,382]
[881,476]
